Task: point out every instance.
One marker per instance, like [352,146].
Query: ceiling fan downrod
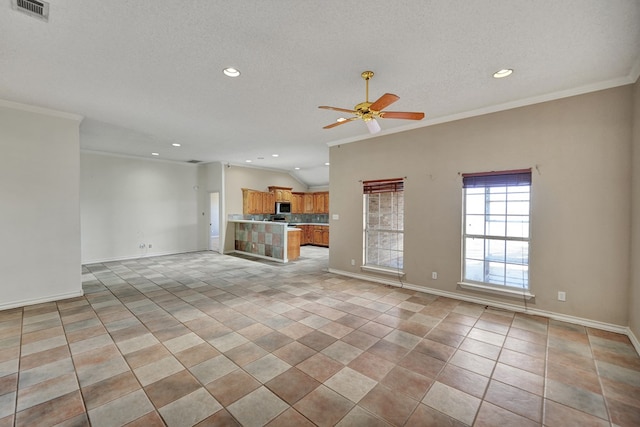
[366,75]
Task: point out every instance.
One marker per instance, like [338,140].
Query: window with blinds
[496,228]
[384,223]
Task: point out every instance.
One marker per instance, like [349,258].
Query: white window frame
[485,283]
[394,231]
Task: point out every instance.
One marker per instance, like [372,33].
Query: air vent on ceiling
[35,8]
[194,161]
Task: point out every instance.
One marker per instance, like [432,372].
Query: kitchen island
[267,239]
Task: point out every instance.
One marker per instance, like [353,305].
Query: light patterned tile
[213,369]
[228,341]
[190,409]
[342,352]
[122,410]
[46,390]
[453,402]
[257,408]
[45,372]
[7,404]
[155,371]
[178,344]
[266,368]
[351,384]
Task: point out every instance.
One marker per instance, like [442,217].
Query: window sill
[508,292]
[382,270]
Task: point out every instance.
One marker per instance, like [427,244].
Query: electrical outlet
[434,275]
[353,262]
[141,246]
[562,296]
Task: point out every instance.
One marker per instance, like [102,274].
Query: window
[496,228]
[384,223]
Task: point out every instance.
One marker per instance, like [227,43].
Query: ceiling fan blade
[401,115]
[384,101]
[332,125]
[343,110]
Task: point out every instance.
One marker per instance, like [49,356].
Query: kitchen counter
[267,239]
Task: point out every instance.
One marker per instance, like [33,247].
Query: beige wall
[128,201]
[634,299]
[580,198]
[40,207]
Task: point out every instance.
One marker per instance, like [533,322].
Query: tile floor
[204,339]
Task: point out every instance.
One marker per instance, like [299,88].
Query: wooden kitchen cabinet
[293,244]
[321,202]
[308,203]
[282,194]
[257,202]
[321,235]
[297,203]
[251,201]
[308,234]
[268,203]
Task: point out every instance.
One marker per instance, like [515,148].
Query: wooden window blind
[510,178]
[383,186]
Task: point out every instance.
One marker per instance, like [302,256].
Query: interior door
[214,221]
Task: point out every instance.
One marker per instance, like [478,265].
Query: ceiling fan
[368,111]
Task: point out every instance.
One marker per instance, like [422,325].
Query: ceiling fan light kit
[373,126]
[369,111]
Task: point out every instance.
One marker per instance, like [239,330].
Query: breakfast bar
[267,239]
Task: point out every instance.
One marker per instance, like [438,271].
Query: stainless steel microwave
[283,208]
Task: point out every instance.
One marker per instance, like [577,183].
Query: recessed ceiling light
[326,164]
[248,161]
[502,73]
[175,144]
[275,155]
[297,169]
[231,72]
[155,154]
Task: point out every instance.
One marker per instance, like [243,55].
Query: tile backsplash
[294,218]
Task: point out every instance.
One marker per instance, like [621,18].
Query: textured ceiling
[145,74]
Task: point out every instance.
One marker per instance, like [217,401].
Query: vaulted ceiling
[147,74]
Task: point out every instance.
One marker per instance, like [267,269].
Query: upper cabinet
[297,203]
[283,194]
[256,202]
[308,203]
[321,202]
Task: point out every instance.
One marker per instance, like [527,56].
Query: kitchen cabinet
[321,235]
[308,203]
[297,203]
[282,194]
[321,202]
[257,202]
[308,234]
[293,244]
[251,201]
[268,203]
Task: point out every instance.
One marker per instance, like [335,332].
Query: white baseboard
[40,300]
[139,256]
[634,340]
[507,306]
